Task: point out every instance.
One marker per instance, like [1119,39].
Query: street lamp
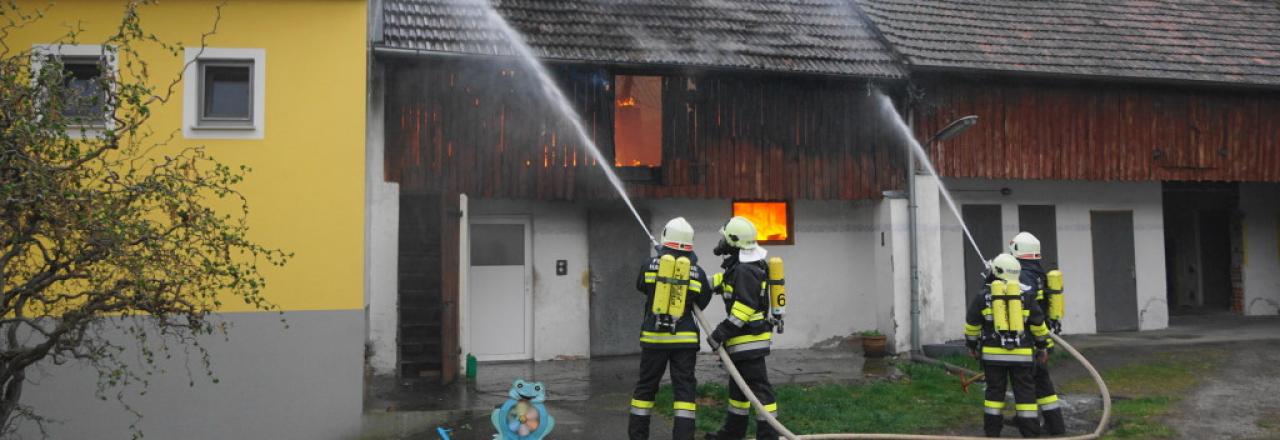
[951,130]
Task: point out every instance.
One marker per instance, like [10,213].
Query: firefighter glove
[1056,326]
[717,337]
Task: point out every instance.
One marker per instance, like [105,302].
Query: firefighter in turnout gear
[672,284]
[1026,248]
[746,332]
[1004,329]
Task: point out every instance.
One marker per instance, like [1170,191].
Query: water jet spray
[557,98]
[561,103]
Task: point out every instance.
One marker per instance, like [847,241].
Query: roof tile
[1228,41]
[808,36]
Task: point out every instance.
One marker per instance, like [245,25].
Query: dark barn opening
[1202,247]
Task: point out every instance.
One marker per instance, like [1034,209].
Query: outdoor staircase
[419,337]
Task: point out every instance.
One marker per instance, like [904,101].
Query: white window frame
[39,52]
[192,80]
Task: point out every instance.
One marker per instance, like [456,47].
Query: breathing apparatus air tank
[662,291]
[1013,296]
[999,308]
[670,290]
[777,291]
[1057,306]
[679,291]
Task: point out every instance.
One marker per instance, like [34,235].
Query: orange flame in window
[770,218]
[629,101]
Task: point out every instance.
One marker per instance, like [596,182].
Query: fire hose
[787,434]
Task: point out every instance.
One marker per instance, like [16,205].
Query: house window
[774,224]
[226,93]
[637,121]
[86,76]
[84,91]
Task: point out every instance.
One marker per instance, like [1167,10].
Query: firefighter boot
[1053,423]
[735,428]
[638,427]
[991,424]
[684,428]
[764,431]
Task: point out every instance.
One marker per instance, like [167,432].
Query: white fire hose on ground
[787,434]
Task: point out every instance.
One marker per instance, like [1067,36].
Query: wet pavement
[589,397]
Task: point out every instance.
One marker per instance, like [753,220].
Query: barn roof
[798,36]
[1219,41]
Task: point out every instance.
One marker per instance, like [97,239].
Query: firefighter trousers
[756,375]
[653,363]
[1047,400]
[999,377]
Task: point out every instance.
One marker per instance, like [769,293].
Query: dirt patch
[1240,399]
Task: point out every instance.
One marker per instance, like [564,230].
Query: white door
[500,317]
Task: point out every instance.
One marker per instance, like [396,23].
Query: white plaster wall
[933,286]
[893,278]
[561,311]
[1260,203]
[1073,201]
[831,277]
[382,229]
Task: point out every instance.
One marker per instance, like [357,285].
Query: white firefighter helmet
[739,233]
[1025,246]
[1006,267]
[678,234]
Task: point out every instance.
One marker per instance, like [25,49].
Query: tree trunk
[10,393]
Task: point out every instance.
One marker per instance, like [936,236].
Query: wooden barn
[501,233]
[1137,141]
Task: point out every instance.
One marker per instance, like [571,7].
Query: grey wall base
[300,382]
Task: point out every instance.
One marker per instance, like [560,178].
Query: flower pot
[873,346]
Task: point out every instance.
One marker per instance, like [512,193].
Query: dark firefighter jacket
[746,303]
[979,330]
[698,294]
[1033,275]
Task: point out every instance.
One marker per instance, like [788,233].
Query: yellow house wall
[307,185]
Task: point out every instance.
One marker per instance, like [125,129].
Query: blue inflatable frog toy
[523,416]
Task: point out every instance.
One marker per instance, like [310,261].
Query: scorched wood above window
[481,128]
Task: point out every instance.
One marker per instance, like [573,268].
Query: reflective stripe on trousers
[739,407]
[992,407]
[641,407]
[1027,410]
[686,410]
[1048,403]
[772,408]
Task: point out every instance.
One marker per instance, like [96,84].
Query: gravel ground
[1240,401]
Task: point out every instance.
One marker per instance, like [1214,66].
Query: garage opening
[1203,252]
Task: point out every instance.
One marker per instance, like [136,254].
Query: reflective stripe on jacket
[697,295]
[746,303]
[979,328]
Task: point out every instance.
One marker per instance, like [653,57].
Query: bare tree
[106,224]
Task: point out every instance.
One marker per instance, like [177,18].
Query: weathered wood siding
[481,128]
[1082,131]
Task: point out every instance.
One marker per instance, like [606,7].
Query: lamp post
[948,132]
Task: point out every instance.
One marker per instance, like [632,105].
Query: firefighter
[665,341]
[745,332]
[1026,248]
[1005,330]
